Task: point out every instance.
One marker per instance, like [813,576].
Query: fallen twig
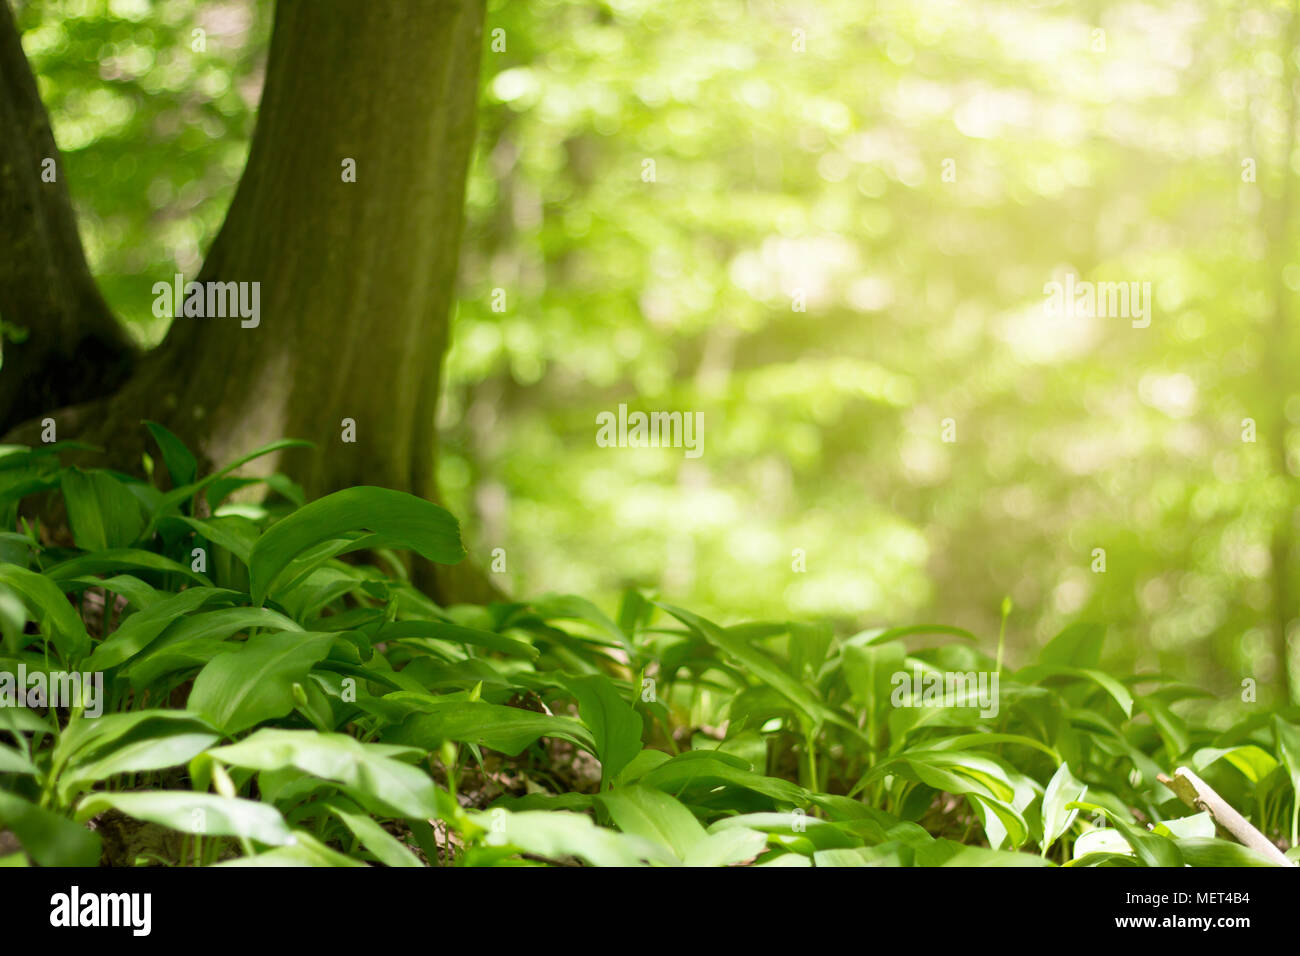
[1199,795]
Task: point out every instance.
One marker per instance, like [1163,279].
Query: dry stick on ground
[1198,795]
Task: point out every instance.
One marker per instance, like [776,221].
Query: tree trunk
[355,278]
[73,349]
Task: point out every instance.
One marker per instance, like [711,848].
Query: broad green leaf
[387,848]
[304,850]
[869,669]
[234,533]
[1150,848]
[1062,790]
[456,634]
[615,726]
[1037,672]
[1253,761]
[1196,825]
[1173,729]
[49,839]
[122,559]
[506,729]
[1208,851]
[375,777]
[989,739]
[87,740]
[555,835]
[169,751]
[655,817]
[50,608]
[698,776]
[1078,645]
[404,520]
[982,856]
[245,686]
[1101,840]
[204,814]
[12,761]
[575,608]
[727,847]
[137,593]
[102,512]
[140,629]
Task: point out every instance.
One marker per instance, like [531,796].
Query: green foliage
[818,170]
[266,701]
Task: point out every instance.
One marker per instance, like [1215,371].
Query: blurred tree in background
[840,260]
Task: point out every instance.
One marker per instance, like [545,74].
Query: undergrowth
[274,690]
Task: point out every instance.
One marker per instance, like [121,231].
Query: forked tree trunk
[356,278]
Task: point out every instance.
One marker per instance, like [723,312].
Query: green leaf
[374,777]
[243,687]
[1078,645]
[655,817]
[102,511]
[1208,851]
[727,847]
[456,634]
[1150,848]
[1173,729]
[1288,748]
[1037,672]
[1062,790]
[177,496]
[11,761]
[615,726]
[130,743]
[182,467]
[1252,760]
[557,834]
[54,614]
[762,667]
[506,729]
[234,533]
[402,520]
[88,739]
[122,559]
[49,839]
[205,814]
[387,848]
[698,775]
[1196,825]
[574,608]
[305,850]
[869,669]
[140,629]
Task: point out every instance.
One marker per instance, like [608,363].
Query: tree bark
[355,278]
[74,350]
